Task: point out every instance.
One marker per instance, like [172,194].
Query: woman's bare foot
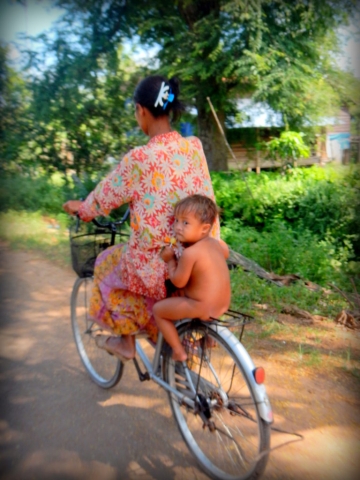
[122,347]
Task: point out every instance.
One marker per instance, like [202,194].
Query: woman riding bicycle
[130,278]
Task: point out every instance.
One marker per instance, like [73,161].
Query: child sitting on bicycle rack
[130,277]
[201,272]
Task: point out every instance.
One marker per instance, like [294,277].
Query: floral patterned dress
[130,278]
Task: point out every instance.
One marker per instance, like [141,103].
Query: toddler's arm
[179,272]
[167,254]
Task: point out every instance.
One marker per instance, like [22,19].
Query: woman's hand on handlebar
[72,206]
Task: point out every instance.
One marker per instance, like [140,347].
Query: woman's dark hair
[160,96]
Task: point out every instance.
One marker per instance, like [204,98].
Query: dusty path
[56,424]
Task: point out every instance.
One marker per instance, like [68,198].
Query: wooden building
[333,143]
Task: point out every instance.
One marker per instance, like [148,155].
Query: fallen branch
[353,300]
[297,312]
[236,259]
[347,320]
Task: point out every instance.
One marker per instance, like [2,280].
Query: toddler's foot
[210,342]
[179,355]
[196,347]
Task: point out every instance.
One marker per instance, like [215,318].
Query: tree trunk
[212,140]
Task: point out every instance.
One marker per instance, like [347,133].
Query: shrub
[320,200]
[289,147]
[32,194]
[248,290]
[281,250]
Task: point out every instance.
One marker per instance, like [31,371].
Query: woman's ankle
[125,345]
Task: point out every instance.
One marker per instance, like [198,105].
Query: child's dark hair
[160,96]
[204,209]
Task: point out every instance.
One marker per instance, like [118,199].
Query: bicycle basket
[84,250]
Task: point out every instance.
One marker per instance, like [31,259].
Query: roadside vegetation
[301,221]
[68,116]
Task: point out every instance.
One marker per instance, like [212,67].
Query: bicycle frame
[153,367]
[261,397]
[214,391]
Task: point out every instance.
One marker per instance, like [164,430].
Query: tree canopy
[13,102]
[273,50]
[82,107]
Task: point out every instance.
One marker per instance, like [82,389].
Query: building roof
[261,115]
[256,114]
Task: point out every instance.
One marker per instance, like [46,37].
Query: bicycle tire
[104,369]
[237,448]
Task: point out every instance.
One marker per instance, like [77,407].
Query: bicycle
[217,396]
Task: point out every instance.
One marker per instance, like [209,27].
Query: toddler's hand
[167,254]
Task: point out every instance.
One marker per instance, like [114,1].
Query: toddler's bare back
[210,280]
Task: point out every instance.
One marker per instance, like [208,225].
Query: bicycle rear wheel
[104,369]
[225,432]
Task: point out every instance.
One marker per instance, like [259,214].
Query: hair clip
[164,94]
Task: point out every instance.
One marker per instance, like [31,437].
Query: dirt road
[56,424]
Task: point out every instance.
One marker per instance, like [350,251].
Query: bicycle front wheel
[225,431]
[104,369]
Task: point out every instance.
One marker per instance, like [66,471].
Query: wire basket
[84,250]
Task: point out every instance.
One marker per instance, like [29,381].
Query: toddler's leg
[168,311]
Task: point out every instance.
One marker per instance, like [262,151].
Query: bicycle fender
[261,397]
[260,394]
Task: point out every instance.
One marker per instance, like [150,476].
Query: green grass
[277,226]
[309,356]
[305,222]
[270,327]
[249,290]
[47,235]
[355,372]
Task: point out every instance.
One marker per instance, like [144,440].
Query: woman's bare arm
[72,206]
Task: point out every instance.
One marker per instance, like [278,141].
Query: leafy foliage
[318,199]
[303,221]
[279,52]
[81,108]
[32,194]
[13,119]
[248,289]
[282,250]
[289,147]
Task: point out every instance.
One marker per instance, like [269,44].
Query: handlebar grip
[112,224]
[77,224]
[108,225]
[100,225]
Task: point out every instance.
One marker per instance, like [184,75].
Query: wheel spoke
[104,369]
[227,450]
[226,434]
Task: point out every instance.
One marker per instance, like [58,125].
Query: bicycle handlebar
[108,225]
[112,225]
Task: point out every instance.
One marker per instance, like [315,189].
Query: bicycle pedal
[179,369]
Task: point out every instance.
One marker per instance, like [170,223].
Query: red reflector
[259,375]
